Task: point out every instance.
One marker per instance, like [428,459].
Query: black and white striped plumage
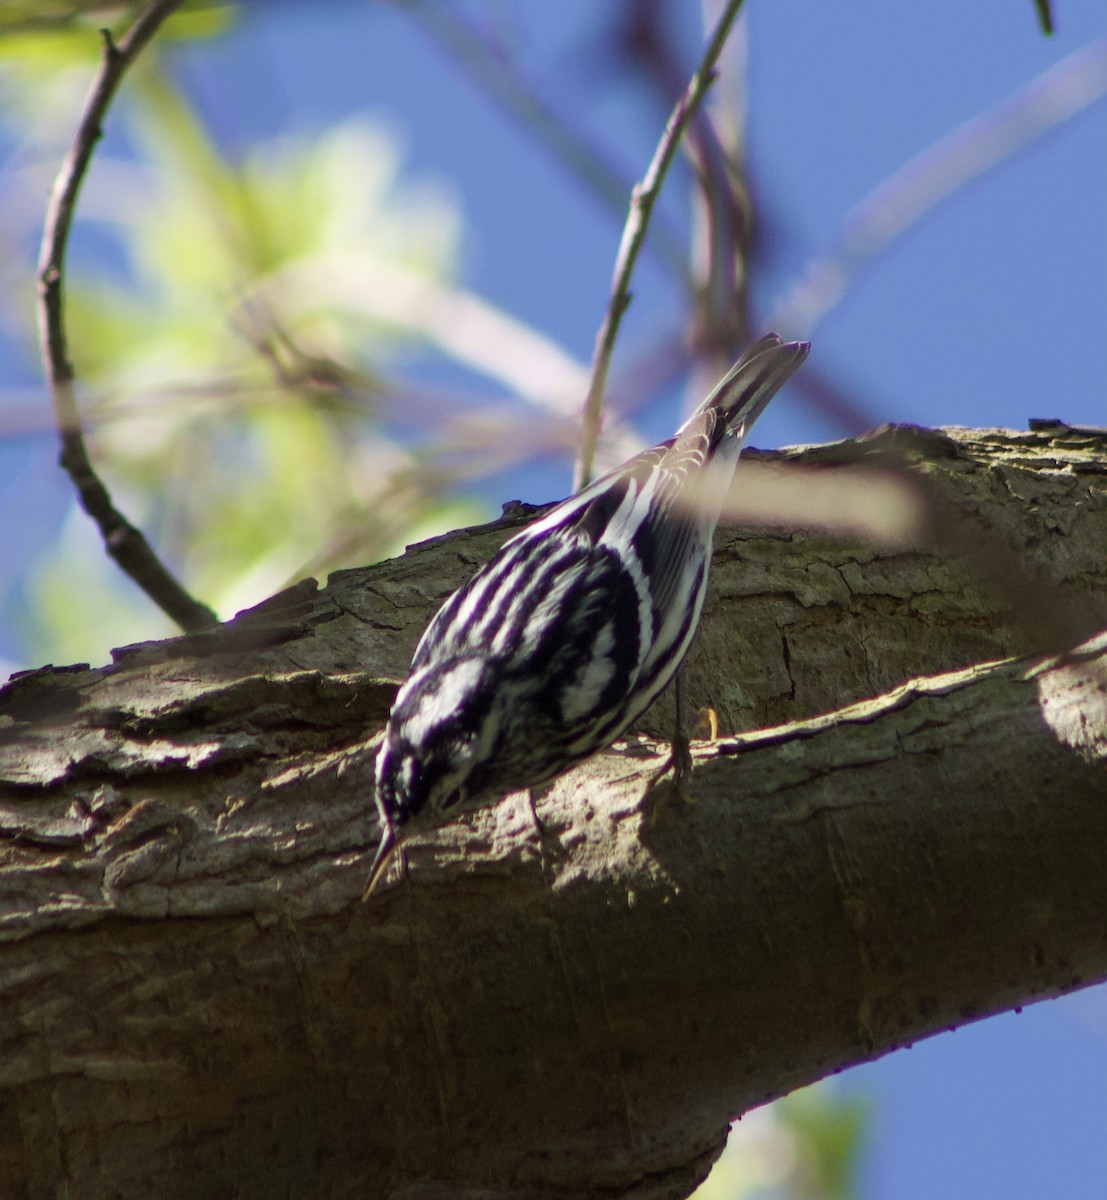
[576,625]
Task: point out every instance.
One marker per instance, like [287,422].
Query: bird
[575,626]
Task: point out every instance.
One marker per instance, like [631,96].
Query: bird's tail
[742,394]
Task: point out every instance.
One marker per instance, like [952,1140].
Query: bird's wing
[634,509]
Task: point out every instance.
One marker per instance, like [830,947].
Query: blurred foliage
[239,417]
[804,1147]
[58,17]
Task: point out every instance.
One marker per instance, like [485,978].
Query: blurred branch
[503,81]
[124,543]
[722,225]
[457,322]
[1045,16]
[988,140]
[876,488]
[642,201]
[724,216]
[841,403]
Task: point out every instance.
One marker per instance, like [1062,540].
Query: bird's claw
[679,762]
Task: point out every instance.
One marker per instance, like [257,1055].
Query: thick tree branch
[193,1001]
[122,540]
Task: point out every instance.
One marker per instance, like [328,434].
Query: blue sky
[989,310]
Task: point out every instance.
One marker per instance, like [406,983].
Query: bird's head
[433,741]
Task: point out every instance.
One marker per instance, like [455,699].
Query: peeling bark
[571,999]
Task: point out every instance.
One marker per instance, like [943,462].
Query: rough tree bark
[571,1000]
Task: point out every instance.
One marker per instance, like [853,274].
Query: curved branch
[124,543]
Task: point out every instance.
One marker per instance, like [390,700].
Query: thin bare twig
[722,226]
[642,201]
[122,540]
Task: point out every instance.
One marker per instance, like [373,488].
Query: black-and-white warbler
[570,632]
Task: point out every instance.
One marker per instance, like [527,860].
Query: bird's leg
[680,753]
[542,832]
[682,745]
[534,814]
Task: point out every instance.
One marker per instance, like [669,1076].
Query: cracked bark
[193,1002]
